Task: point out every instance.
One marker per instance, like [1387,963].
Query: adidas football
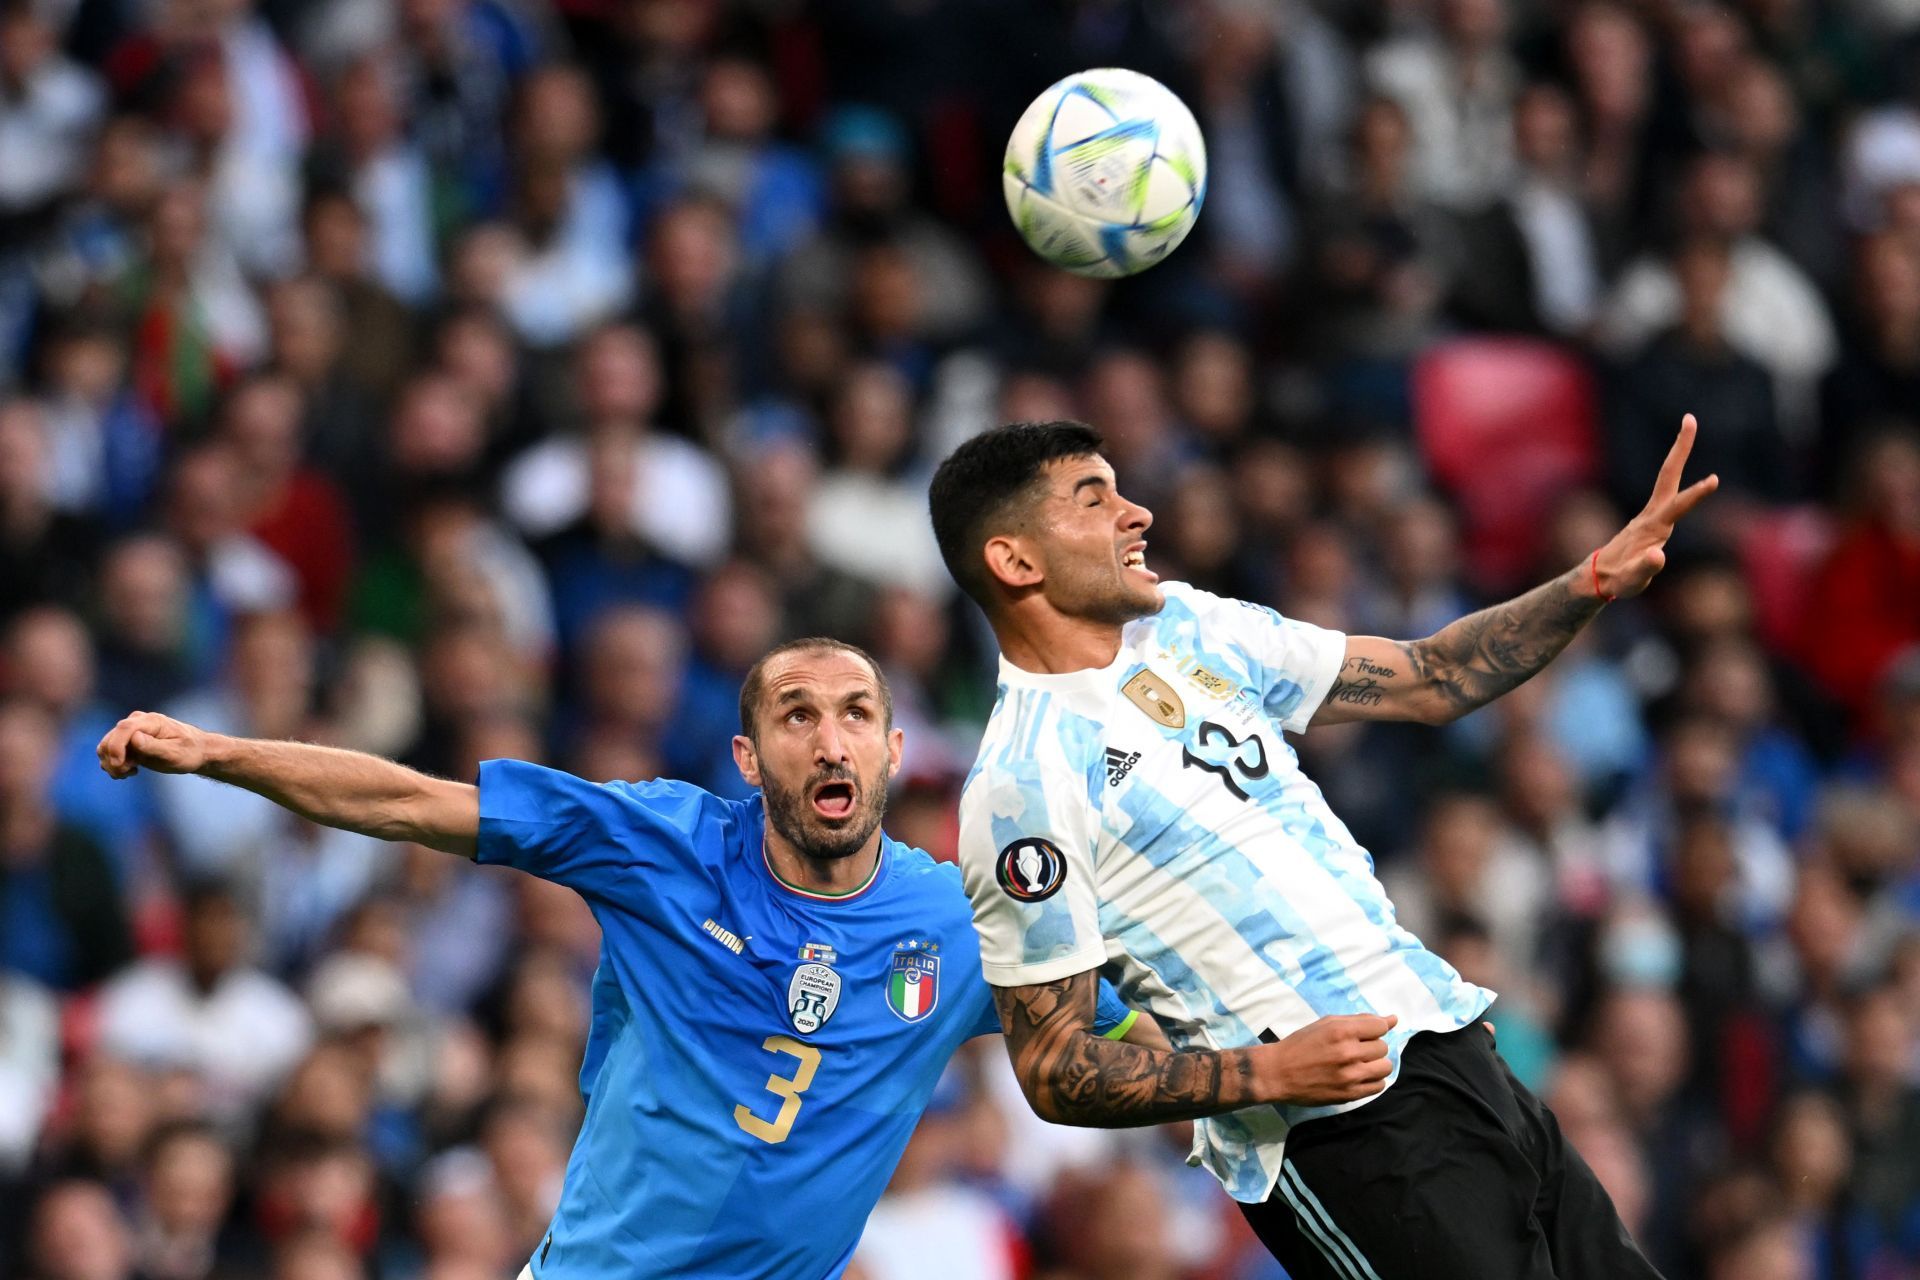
[1105,173]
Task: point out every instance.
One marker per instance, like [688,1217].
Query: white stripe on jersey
[1210,876]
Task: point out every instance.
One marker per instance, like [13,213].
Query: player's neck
[824,877]
[1049,643]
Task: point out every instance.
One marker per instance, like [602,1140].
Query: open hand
[149,740]
[1339,1058]
[1627,564]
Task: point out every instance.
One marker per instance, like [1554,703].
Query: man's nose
[1136,517]
[829,744]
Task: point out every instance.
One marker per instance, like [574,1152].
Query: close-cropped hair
[984,488]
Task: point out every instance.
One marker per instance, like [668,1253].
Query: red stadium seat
[1507,426]
[1780,552]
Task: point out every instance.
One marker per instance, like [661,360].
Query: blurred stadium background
[462,378]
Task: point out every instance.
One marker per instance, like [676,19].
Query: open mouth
[833,800]
[1135,558]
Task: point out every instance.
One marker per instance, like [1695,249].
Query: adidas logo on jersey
[1119,764]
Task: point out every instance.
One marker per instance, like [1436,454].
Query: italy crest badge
[913,983]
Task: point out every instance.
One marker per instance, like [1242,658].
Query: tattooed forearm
[1361,682]
[1364,692]
[1473,661]
[1072,1076]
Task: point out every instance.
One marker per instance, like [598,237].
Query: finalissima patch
[1031,869]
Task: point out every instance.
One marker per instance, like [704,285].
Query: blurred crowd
[454,379]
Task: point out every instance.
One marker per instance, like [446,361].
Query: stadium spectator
[46,555]
[77,1234]
[65,922]
[29,1068]
[187,1192]
[1769,310]
[210,1013]
[1456,85]
[1860,614]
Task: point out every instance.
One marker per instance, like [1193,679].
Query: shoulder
[920,871]
[262,996]
[928,882]
[147,980]
[684,461]
[518,789]
[709,818]
[1036,734]
[1188,609]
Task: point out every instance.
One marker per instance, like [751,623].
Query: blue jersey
[759,1055]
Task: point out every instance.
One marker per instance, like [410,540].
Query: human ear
[746,759]
[1013,561]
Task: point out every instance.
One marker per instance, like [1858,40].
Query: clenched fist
[149,740]
[1340,1058]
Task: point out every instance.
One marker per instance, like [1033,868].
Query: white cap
[354,990]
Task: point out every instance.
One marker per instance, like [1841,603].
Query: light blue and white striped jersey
[1149,819]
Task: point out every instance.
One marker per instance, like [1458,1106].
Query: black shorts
[1456,1171]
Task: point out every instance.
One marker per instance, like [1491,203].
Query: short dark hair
[754,687]
[982,485]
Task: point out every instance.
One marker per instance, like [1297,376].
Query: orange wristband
[1594,565]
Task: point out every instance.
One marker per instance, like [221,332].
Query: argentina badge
[812,996]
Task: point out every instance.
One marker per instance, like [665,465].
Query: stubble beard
[793,817]
[1113,601]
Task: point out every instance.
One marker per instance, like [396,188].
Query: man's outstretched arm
[346,789]
[1469,663]
[1072,1075]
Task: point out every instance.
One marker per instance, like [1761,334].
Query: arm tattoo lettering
[1365,692]
[1364,689]
[1072,1076]
[1471,662]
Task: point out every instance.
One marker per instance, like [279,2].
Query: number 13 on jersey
[787,1088]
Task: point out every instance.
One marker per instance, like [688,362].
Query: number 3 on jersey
[1238,751]
[787,1088]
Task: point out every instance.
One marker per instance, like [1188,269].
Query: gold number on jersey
[787,1088]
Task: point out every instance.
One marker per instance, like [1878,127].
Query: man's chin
[831,841]
[1139,601]
[829,845]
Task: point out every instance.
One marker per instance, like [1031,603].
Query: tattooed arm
[1073,1076]
[1473,661]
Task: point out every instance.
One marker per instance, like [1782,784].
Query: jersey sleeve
[1293,663]
[1027,842]
[604,840]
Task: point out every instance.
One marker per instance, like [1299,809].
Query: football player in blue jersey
[780,984]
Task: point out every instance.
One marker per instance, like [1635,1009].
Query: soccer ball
[1105,173]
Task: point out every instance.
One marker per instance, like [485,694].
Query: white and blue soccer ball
[1105,173]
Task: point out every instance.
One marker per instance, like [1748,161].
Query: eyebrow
[803,693]
[1084,481]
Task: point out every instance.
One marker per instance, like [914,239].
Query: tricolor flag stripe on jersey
[911,997]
